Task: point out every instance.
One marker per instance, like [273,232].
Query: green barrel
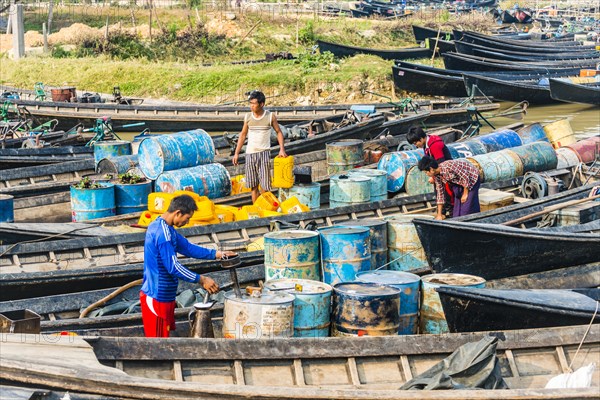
[344,155]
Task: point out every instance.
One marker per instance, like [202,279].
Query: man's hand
[464,197]
[282,153]
[209,284]
[225,254]
[234,160]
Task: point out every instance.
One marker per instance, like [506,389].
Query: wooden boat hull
[421,33]
[473,63]
[508,55]
[508,90]
[506,43]
[477,310]
[494,252]
[574,93]
[340,50]
[330,368]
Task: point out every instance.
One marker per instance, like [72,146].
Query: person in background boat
[257,126]
[433,146]
[162,270]
[464,181]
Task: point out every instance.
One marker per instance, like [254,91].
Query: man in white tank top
[257,126]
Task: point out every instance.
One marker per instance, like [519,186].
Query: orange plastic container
[283,172]
[247,212]
[587,72]
[267,213]
[267,201]
[292,206]
[205,211]
[147,217]
[159,202]
[225,213]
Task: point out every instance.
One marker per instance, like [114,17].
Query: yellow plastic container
[560,133]
[205,211]
[283,172]
[267,201]
[193,195]
[238,185]
[159,202]
[225,213]
[292,206]
[247,212]
[147,217]
[267,213]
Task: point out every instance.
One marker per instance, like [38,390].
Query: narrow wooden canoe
[471,48]
[473,63]
[329,368]
[575,93]
[506,43]
[340,50]
[478,310]
[508,90]
[421,33]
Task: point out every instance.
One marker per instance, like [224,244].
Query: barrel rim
[426,279]
[406,274]
[103,185]
[311,234]
[356,222]
[328,288]
[327,229]
[392,291]
[284,298]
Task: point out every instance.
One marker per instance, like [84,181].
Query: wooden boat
[42,263]
[421,33]
[508,55]
[341,50]
[575,93]
[506,43]
[477,310]
[328,368]
[445,82]
[495,251]
[508,90]
[29,181]
[473,63]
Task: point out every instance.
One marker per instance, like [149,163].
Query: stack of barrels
[347,279]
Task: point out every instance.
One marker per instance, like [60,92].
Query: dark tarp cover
[471,366]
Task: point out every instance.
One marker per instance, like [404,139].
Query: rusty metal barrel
[365,309]
[587,150]
[346,189]
[269,316]
[292,254]
[409,285]
[378,182]
[560,133]
[417,182]
[535,157]
[379,241]
[345,251]
[433,319]
[344,155]
[497,166]
[405,251]
[532,133]
[567,157]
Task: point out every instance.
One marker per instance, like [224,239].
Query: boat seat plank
[379,370]
[208,371]
[150,369]
[269,373]
[531,362]
[326,372]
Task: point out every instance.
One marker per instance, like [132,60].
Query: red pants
[158,317]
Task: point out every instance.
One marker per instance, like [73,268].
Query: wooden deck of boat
[328,368]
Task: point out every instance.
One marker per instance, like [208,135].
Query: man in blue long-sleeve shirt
[162,269]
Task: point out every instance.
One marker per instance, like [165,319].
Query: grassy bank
[171,64]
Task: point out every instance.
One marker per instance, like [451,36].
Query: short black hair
[414,134]
[258,95]
[183,203]
[426,163]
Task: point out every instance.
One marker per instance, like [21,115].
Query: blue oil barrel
[162,153]
[409,285]
[433,319]
[378,182]
[396,165]
[497,166]
[345,190]
[308,194]
[417,182]
[89,204]
[405,251]
[345,251]
[468,148]
[131,198]
[117,165]
[365,309]
[500,140]
[532,133]
[211,180]
[292,254]
[344,155]
[536,157]
[7,208]
[312,306]
[111,148]
[378,230]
